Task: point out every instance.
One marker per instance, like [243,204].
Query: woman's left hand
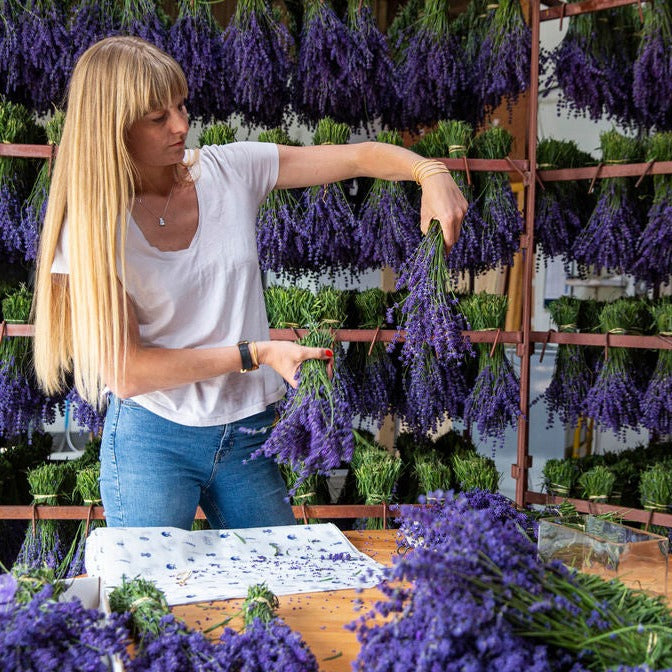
[443,201]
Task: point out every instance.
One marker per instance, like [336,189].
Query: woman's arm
[307,166]
[150,369]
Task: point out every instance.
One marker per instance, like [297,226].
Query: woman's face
[158,138]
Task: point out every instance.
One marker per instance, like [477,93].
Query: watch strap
[247,363]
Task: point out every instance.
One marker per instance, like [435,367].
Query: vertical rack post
[523,462]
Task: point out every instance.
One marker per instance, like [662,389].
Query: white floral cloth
[222,564]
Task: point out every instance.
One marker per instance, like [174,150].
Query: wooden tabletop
[319,617]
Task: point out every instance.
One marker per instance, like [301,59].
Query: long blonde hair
[80,323]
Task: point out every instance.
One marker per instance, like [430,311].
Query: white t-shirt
[210,294]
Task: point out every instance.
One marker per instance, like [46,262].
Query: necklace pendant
[162,221]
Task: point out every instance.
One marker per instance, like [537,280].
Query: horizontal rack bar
[585,506]
[566,9]
[655,342]
[603,170]
[27,151]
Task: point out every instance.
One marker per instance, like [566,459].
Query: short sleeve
[256,163]
[61,263]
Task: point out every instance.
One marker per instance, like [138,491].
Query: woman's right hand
[286,357]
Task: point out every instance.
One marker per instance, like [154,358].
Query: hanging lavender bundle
[12,237]
[328,225]
[430,71]
[259,48]
[656,405]
[429,311]
[322,86]
[653,262]
[196,42]
[372,73]
[572,377]
[288,307]
[145,19]
[314,432]
[279,241]
[493,403]
[499,236]
[593,65]
[614,400]
[389,223]
[373,370]
[504,56]
[33,36]
[84,414]
[610,238]
[652,72]
[561,209]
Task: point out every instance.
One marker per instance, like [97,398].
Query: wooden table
[319,617]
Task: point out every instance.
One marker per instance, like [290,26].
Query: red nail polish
[329,353]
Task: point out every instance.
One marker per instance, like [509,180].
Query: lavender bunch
[429,311]
[432,472]
[279,241]
[13,241]
[560,207]
[145,19]
[653,258]
[473,471]
[388,230]
[656,404]
[614,399]
[43,545]
[504,58]
[373,370]
[572,377]
[559,476]
[85,414]
[593,65]
[260,48]
[499,236]
[217,134]
[652,71]
[34,35]
[314,432]
[453,139]
[493,403]
[197,44]
[655,487]
[322,86]
[373,85]
[43,633]
[597,483]
[610,238]
[288,307]
[430,71]
[328,223]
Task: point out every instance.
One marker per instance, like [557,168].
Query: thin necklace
[162,221]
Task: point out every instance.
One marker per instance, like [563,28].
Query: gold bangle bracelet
[254,354]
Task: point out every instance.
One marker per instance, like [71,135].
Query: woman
[148,285]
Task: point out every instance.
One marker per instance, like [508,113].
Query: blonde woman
[149,292]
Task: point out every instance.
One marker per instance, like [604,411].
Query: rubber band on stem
[509,160]
[543,347]
[373,341]
[3,330]
[591,188]
[495,342]
[648,167]
[304,513]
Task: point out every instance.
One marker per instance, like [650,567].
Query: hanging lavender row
[145,19]
[610,238]
[654,249]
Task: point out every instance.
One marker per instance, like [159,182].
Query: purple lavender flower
[11,238]
[145,19]
[259,47]
[653,261]
[85,414]
[556,225]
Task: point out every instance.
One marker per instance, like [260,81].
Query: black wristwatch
[247,364]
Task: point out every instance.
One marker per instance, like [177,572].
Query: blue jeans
[155,472]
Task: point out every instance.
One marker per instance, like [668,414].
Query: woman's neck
[158,180]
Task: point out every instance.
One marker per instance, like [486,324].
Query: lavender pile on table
[328,223]
[653,258]
[279,241]
[561,209]
[493,403]
[314,431]
[504,56]
[260,48]
[610,238]
[572,377]
[656,404]
[44,634]
[388,223]
[593,65]
[429,311]
[196,42]
[430,70]
[652,72]
[499,236]
[614,399]
[481,599]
